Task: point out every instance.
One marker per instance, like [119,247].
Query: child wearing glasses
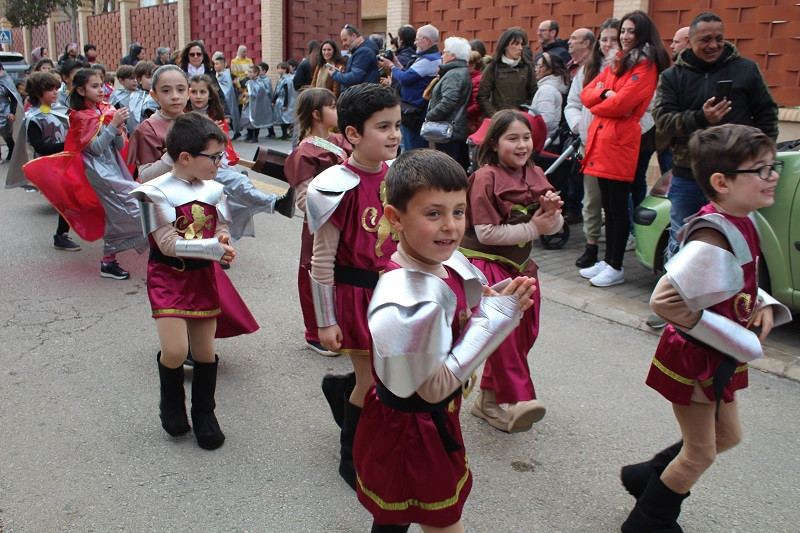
[185,218]
[701,360]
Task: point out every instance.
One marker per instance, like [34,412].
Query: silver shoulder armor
[704,274]
[224,210]
[718,222]
[410,317]
[166,193]
[494,319]
[474,280]
[326,191]
[780,313]
[725,335]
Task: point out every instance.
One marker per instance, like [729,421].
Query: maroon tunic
[305,162]
[679,365]
[497,196]
[367,242]
[147,141]
[404,472]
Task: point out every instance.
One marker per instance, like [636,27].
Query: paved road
[81,448]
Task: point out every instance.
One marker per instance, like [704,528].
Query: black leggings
[379,528]
[63,227]
[10,143]
[614,197]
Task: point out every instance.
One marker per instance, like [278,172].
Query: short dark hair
[501,121]
[256,68]
[554,27]
[723,149]
[100,67]
[703,17]
[191,133]
[478,46]
[360,102]
[352,30]
[69,66]
[144,68]
[77,101]
[411,173]
[125,72]
[284,65]
[292,62]
[89,46]
[44,61]
[406,35]
[38,82]
[263,66]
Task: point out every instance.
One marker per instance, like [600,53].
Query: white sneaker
[592,271]
[608,277]
[631,244]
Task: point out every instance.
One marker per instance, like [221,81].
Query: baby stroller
[557,167]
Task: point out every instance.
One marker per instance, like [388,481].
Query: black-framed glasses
[763,173]
[215,158]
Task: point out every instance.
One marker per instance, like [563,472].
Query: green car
[779,225]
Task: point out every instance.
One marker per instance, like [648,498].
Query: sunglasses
[215,158]
[195,54]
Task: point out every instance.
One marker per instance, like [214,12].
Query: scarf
[193,71]
[509,62]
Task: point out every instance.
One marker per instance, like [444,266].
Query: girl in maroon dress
[511,203]
[318,150]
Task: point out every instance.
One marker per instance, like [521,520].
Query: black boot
[285,204]
[635,477]
[657,509]
[347,469]
[337,391]
[173,400]
[588,257]
[206,428]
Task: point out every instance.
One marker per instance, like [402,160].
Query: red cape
[61,178]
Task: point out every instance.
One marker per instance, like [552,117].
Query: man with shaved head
[679,42]
[579,46]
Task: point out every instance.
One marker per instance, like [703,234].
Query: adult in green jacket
[509,79]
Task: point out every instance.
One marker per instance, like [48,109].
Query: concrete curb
[779,359]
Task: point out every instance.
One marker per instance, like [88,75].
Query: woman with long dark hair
[329,54]
[509,79]
[618,97]
[194,60]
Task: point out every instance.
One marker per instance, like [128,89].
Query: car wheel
[557,240]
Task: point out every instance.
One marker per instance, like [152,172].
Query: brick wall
[154,27]
[224,25]
[104,31]
[65,34]
[320,20]
[487,19]
[765,31]
[39,37]
[17,40]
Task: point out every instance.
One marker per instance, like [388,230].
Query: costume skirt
[679,365]
[506,371]
[351,310]
[404,473]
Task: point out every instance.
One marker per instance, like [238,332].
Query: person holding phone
[709,84]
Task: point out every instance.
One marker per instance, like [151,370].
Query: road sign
[5,36]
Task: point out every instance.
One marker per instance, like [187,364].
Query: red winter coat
[612,147]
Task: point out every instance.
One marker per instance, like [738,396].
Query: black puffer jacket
[685,87]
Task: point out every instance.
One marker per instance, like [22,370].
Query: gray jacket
[450,94]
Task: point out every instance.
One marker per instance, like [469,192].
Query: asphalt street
[81,447]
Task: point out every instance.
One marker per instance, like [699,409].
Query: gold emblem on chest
[743,307]
[193,229]
[371,223]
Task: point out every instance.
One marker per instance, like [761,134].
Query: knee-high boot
[635,477]
[337,391]
[347,468]
[656,510]
[173,400]
[206,428]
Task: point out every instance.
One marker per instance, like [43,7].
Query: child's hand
[523,287]
[120,116]
[284,108]
[330,337]
[765,320]
[230,254]
[546,221]
[550,201]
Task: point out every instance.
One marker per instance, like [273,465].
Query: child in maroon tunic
[352,245]
[710,300]
[511,203]
[409,452]
[185,217]
[318,150]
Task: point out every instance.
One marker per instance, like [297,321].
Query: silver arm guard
[209,249]
[494,319]
[780,313]
[726,336]
[324,297]
[704,275]
[325,193]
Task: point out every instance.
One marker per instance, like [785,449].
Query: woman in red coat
[618,98]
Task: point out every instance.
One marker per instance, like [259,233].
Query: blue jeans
[665,160]
[412,139]
[686,199]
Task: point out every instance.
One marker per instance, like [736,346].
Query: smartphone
[723,91]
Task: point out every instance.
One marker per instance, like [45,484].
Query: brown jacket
[506,87]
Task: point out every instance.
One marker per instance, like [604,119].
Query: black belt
[415,404]
[357,277]
[724,372]
[177,263]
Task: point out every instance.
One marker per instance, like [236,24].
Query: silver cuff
[494,319]
[209,249]
[726,336]
[780,313]
[324,303]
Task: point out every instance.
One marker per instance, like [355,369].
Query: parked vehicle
[15,65]
[779,226]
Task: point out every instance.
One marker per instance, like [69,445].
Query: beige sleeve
[505,234]
[300,192]
[439,386]
[667,303]
[326,242]
[155,169]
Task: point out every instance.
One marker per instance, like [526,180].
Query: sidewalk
[625,304]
